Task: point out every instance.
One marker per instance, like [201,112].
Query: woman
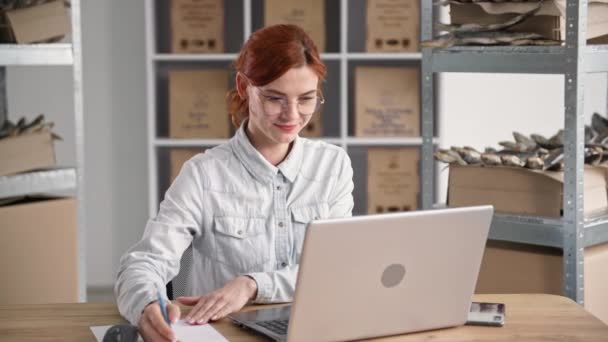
[243,205]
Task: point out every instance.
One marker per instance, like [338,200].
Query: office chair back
[178,286]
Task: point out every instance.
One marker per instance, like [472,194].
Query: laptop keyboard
[278,326]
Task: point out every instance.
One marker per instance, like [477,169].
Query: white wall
[114,83]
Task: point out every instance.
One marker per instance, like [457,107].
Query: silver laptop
[379,275]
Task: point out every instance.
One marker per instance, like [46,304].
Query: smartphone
[487,314]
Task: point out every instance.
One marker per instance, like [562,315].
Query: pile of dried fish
[534,152]
[492,34]
[22,127]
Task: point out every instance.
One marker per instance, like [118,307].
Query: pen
[163,309]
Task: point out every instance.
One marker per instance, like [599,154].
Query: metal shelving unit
[573,232]
[57,180]
[339,58]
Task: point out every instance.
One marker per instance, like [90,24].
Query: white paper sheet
[184,332]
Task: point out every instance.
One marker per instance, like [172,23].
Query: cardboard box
[547,22]
[197,106]
[314,127]
[521,191]
[39,23]
[197,26]
[39,252]
[393,25]
[26,153]
[179,156]
[393,181]
[517,268]
[309,15]
[387,102]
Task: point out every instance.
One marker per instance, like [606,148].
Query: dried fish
[513,146]
[490,159]
[511,160]
[522,139]
[447,157]
[554,160]
[593,155]
[471,156]
[474,27]
[557,139]
[599,124]
[535,163]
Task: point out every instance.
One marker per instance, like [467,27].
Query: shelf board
[514,59]
[36,54]
[527,229]
[400,56]
[544,231]
[172,57]
[36,182]
[499,59]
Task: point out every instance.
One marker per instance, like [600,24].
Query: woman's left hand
[221,302]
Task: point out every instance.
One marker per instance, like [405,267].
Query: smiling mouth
[286,128]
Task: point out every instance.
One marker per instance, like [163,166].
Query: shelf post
[574,133]
[427,172]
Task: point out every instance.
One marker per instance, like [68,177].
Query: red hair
[268,54]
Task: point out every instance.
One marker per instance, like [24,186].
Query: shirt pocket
[301,216]
[241,243]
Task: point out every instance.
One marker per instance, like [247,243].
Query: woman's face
[280,109]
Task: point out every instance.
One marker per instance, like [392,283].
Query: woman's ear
[241,85]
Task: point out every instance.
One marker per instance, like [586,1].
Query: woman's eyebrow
[283,94]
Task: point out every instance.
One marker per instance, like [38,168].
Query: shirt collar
[258,166]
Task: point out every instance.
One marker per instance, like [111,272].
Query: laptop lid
[387,274]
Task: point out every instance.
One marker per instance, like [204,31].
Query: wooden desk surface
[530,317]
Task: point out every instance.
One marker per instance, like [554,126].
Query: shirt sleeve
[153,261]
[279,286]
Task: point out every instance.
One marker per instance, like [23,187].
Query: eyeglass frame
[285,104]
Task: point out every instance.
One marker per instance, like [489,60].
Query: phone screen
[486,314]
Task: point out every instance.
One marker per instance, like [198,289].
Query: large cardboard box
[522,191]
[393,181]
[387,102]
[26,152]
[179,156]
[517,268]
[197,105]
[39,252]
[197,26]
[393,25]
[309,15]
[39,23]
[547,22]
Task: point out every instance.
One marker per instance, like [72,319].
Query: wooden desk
[529,318]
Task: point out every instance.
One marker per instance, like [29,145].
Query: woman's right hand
[152,325]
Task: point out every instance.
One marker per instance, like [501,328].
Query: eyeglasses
[276,104]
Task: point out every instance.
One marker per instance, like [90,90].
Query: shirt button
[240,232]
[279,187]
[283,264]
[281,224]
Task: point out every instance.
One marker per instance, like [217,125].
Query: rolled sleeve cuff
[264,284]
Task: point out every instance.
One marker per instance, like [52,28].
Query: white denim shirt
[242,215]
